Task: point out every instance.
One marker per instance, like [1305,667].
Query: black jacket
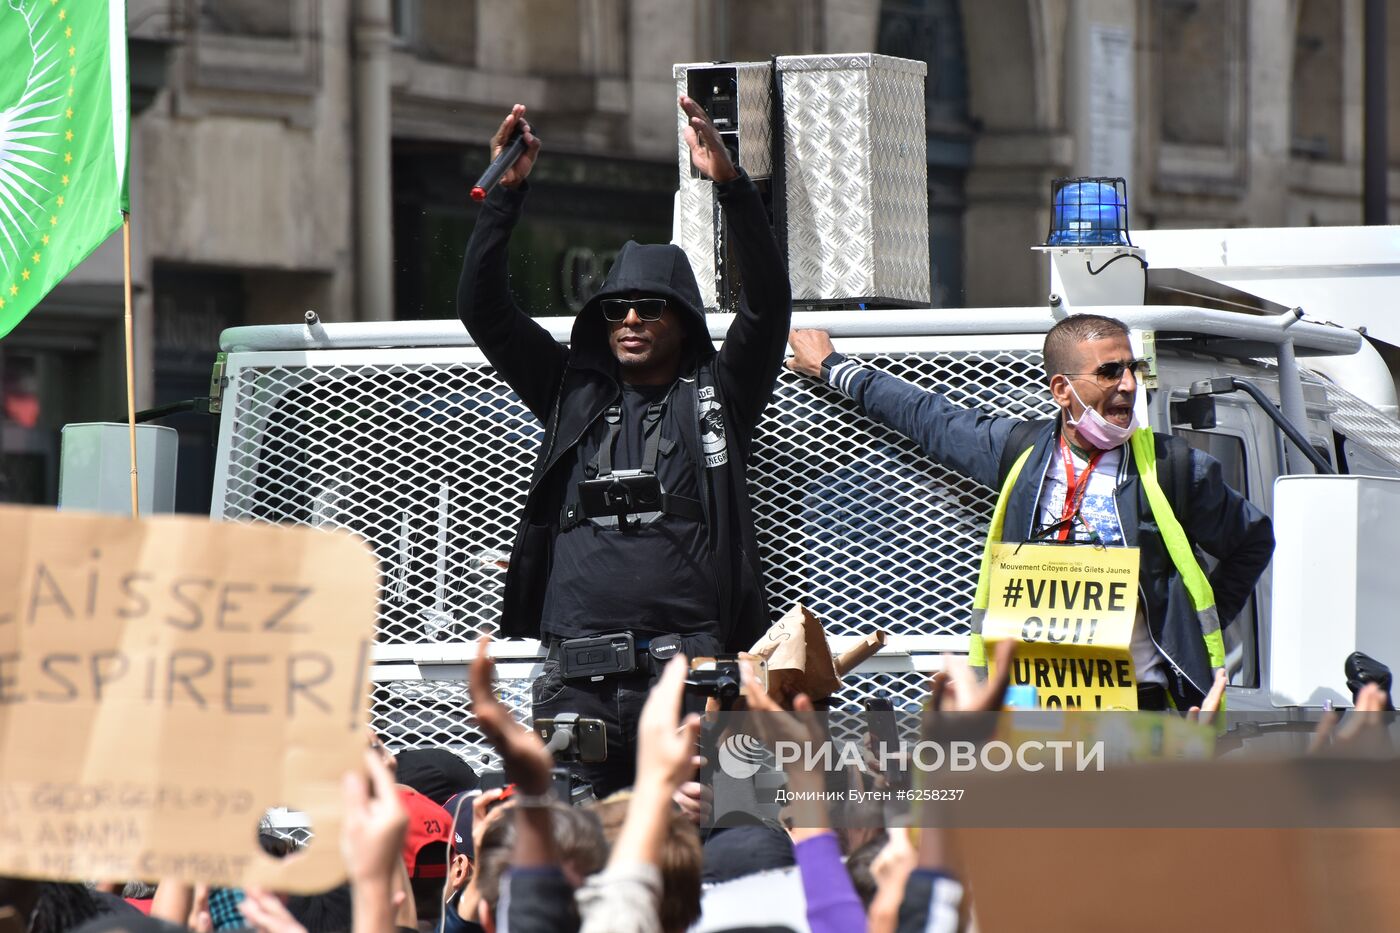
[722,393]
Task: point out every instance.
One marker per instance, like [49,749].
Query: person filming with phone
[636,542]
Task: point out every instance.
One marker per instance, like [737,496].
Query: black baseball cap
[436,773]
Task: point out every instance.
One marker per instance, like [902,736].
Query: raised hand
[808,815]
[527,762]
[665,741]
[779,725]
[517,172]
[695,799]
[371,838]
[1210,706]
[265,913]
[957,689]
[1364,732]
[707,150]
[665,752]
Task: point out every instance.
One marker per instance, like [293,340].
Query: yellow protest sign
[1071,608]
[164,682]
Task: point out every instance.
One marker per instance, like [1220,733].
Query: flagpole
[130,363]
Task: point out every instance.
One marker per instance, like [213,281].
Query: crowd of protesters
[425,848]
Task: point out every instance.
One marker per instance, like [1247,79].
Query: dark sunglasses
[648,309]
[1113,372]
[1052,530]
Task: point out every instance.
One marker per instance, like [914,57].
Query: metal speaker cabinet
[837,146]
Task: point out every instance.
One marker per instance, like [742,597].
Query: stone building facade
[316,154]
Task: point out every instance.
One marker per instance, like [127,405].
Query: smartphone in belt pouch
[597,656]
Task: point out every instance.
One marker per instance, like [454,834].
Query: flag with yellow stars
[63,141]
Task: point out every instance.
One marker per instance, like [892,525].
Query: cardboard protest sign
[163,682]
[1071,609]
[1336,875]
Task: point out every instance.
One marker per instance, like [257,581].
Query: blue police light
[1088,212]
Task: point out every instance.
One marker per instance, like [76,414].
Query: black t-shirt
[650,580]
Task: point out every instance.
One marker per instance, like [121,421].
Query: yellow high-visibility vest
[1173,536]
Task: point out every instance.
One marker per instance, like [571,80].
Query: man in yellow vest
[1090,476]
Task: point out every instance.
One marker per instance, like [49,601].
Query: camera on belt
[598,656]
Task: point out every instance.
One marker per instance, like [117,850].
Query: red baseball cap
[429,834]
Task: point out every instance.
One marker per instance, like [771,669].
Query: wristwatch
[832,359]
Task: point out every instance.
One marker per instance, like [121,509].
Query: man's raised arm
[968,440]
[522,351]
[753,347]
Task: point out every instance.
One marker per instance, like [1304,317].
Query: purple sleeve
[832,904]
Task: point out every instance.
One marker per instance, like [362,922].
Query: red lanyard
[1075,488]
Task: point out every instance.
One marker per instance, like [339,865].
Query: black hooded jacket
[722,393]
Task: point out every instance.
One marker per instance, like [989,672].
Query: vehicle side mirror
[1198,412]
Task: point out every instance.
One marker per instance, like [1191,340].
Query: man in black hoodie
[639,403]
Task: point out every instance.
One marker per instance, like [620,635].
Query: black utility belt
[627,498]
[619,653]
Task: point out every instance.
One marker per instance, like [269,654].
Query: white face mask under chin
[1097,430]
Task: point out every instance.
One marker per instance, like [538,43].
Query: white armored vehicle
[402,433]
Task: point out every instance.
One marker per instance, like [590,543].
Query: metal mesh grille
[424,713]
[434,713]
[289,826]
[428,457]
[1364,425]
[856,523]
[906,691]
[428,463]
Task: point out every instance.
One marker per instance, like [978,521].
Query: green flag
[63,141]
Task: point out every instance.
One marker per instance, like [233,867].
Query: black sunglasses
[1113,372]
[1053,529]
[648,309]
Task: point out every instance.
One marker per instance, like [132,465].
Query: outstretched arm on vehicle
[968,440]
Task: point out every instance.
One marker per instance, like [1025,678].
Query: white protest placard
[165,681]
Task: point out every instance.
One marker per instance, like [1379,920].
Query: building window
[751,32]
[437,30]
[251,58]
[1318,82]
[403,15]
[1392,91]
[1200,53]
[1200,91]
[931,31]
[269,19]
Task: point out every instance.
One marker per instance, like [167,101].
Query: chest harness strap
[575,513]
